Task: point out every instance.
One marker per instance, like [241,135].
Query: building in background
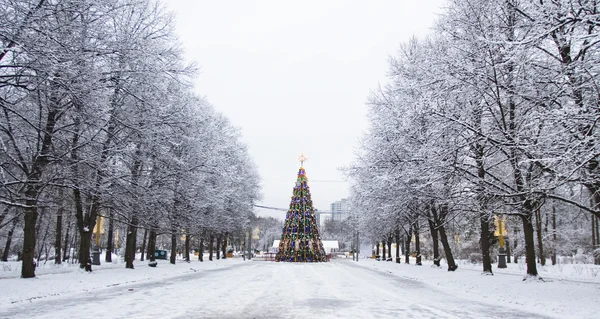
[340,210]
[322,217]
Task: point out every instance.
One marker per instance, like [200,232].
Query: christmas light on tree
[300,239]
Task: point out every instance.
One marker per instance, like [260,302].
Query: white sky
[294,76]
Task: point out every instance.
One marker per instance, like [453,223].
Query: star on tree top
[302,159]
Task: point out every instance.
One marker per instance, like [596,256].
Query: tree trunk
[66,248]
[4,214]
[529,245]
[85,244]
[38,233]
[173,247]
[75,243]
[383,256]
[110,238]
[31,214]
[47,252]
[595,239]
[9,239]
[58,233]
[434,241]
[397,245]
[58,236]
[42,244]
[597,232]
[594,189]
[187,246]
[85,221]
[32,189]
[143,250]
[211,239]
[151,245]
[131,239]
[199,241]
[377,255]
[593,232]
[597,259]
[479,150]
[218,246]
[553,235]
[538,228]
[85,225]
[131,242]
[201,249]
[225,245]
[389,244]
[407,249]
[508,250]
[484,241]
[515,245]
[417,245]
[447,250]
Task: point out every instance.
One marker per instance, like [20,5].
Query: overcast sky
[294,77]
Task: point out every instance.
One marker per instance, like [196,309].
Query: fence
[264,257]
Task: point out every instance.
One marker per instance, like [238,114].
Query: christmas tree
[300,240]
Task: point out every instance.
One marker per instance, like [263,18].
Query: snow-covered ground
[568,291]
[234,288]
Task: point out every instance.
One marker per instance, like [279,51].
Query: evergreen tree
[300,239]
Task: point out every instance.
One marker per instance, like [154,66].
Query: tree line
[98,119]
[494,113]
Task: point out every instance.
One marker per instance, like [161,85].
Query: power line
[271,208]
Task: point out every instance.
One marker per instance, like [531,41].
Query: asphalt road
[340,289]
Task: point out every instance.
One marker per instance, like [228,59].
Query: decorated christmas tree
[300,240]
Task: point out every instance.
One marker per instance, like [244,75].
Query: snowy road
[340,289]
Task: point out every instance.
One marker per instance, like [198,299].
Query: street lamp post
[96,249]
[500,229]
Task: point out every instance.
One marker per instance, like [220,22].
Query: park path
[253,289]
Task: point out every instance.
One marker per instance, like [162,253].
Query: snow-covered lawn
[65,279]
[572,272]
[570,291]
